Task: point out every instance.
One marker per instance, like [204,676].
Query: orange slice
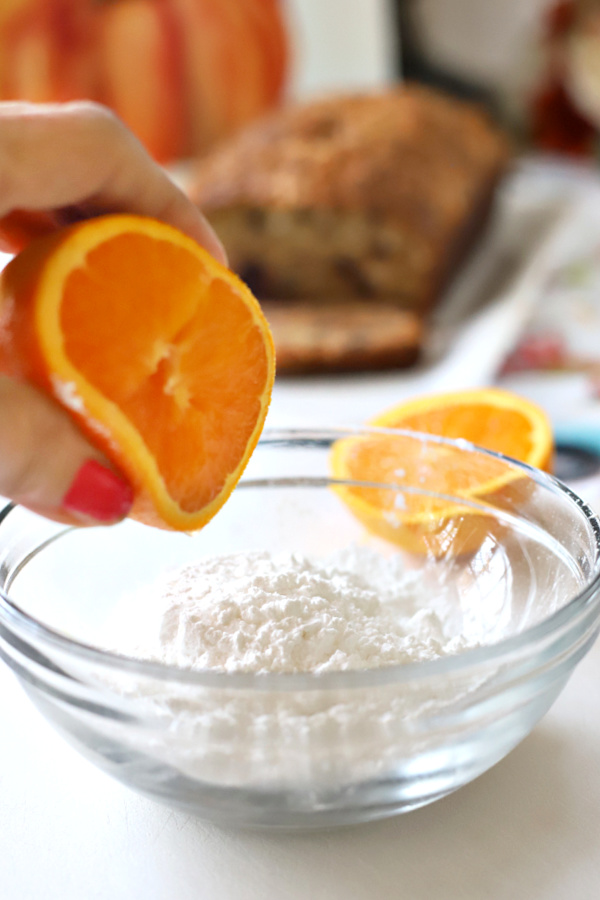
[491,418]
[432,518]
[160,353]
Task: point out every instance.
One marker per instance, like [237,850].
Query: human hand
[59,164]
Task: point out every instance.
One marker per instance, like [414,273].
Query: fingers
[64,162]
[47,465]
[79,158]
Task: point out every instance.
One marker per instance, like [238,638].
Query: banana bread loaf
[355,196]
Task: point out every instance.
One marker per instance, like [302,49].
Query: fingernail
[98,493]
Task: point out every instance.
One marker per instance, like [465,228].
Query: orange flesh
[163,364]
[431,509]
[496,420]
[508,433]
[404,460]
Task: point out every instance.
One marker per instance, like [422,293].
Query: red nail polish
[98,493]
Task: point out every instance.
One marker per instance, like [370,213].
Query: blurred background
[534,63]
[186,73]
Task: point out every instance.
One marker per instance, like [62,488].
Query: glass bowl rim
[23,626]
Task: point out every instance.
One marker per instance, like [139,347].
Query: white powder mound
[259,613]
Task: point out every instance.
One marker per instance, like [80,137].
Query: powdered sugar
[259,613]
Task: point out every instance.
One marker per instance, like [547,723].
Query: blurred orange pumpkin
[181,73]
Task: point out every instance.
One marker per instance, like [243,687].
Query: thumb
[47,465]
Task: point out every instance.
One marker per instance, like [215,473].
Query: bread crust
[341,152]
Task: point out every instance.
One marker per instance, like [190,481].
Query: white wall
[341,45]
[493,41]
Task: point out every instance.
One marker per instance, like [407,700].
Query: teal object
[579,434]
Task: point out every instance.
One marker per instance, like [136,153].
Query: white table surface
[529,829]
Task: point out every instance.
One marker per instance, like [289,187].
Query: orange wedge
[497,420]
[161,355]
[433,518]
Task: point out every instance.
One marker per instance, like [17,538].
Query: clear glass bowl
[516,571]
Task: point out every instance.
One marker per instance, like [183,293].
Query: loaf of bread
[355,196]
[342,336]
